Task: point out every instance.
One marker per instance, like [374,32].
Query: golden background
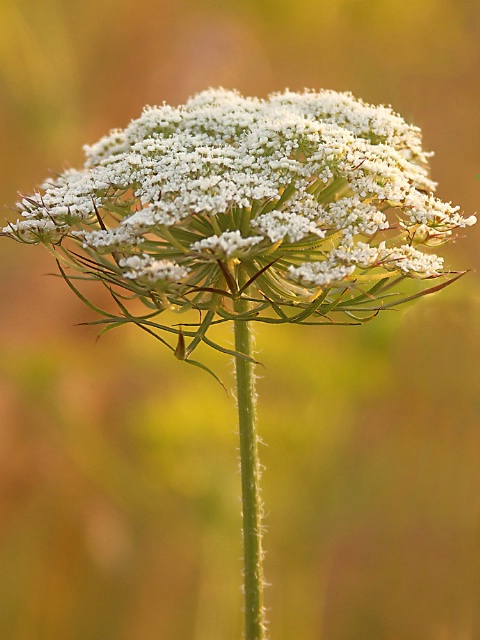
[119,508]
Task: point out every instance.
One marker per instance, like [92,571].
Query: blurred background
[119,508]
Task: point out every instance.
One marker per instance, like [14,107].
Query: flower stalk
[250,474]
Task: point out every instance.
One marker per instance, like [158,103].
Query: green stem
[250,473]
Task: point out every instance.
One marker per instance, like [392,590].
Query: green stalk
[250,473]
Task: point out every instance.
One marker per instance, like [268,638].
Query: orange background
[119,509]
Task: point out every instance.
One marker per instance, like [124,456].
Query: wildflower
[289,209]
[152,271]
[300,198]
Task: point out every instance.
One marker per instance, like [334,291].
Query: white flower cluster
[152,271]
[65,202]
[108,240]
[318,184]
[342,263]
[280,225]
[229,244]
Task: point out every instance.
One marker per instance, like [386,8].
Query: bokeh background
[119,508]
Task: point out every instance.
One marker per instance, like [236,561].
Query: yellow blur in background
[119,484]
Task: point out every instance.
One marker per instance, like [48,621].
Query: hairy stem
[250,472]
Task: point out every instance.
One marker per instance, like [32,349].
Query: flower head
[304,203]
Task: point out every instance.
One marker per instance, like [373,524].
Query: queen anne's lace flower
[321,274]
[298,198]
[412,262]
[152,271]
[229,244]
[108,240]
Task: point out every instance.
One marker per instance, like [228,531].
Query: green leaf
[427,292]
[209,371]
[80,295]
